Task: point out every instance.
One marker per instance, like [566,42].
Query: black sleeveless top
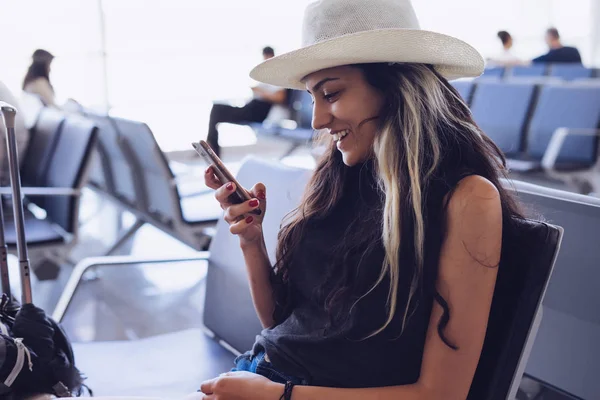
[310,345]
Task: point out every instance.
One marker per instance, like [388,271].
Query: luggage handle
[8,113]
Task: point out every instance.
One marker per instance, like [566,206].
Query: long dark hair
[39,68]
[427,140]
[504,37]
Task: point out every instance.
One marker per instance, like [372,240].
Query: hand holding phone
[225,176]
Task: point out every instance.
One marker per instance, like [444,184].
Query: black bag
[36,356]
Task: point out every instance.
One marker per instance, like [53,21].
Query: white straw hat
[342,32]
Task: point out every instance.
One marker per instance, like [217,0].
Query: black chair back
[67,168]
[161,199]
[120,174]
[41,146]
[529,250]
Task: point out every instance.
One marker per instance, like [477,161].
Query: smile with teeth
[340,135]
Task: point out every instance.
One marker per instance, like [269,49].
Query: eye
[330,97]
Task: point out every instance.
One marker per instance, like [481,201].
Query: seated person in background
[265,96]
[37,79]
[558,53]
[506,58]
[384,275]
[21,133]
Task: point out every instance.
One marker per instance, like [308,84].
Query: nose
[322,118]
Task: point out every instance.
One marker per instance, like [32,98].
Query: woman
[37,79]
[506,58]
[385,273]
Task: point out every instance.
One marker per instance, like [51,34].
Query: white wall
[167,60]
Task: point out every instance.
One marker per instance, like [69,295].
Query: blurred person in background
[21,133]
[37,79]
[257,110]
[506,57]
[558,53]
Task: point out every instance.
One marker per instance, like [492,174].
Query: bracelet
[287,392]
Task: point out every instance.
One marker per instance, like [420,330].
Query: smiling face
[348,108]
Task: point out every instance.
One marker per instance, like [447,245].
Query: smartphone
[240,195]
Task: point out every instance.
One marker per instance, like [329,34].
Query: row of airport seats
[566,71]
[131,170]
[541,126]
[53,173]
[564,354]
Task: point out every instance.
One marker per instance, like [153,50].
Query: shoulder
[474,218]
[473,191]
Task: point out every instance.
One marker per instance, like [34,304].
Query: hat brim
[451,57]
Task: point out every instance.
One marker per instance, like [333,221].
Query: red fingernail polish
[253,203]
[262,195]
[249,220]
[229,186]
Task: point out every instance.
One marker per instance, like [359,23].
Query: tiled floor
[127,303]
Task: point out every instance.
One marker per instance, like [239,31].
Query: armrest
[87,263]
[556,143]
[44,191]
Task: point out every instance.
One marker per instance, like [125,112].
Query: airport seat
[528,71]
[566,352]
[161,203]
[121,182]
[571,107]
[465,89]
[494,72]
[98,176]
[525,268]
[57,190]
[570,72]
[227,288]
[502,110]
[44,137]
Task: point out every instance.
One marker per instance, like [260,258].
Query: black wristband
[287,392]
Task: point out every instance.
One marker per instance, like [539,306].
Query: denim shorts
[259,365]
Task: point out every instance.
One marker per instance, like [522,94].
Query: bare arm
[468,268]
[259,266]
